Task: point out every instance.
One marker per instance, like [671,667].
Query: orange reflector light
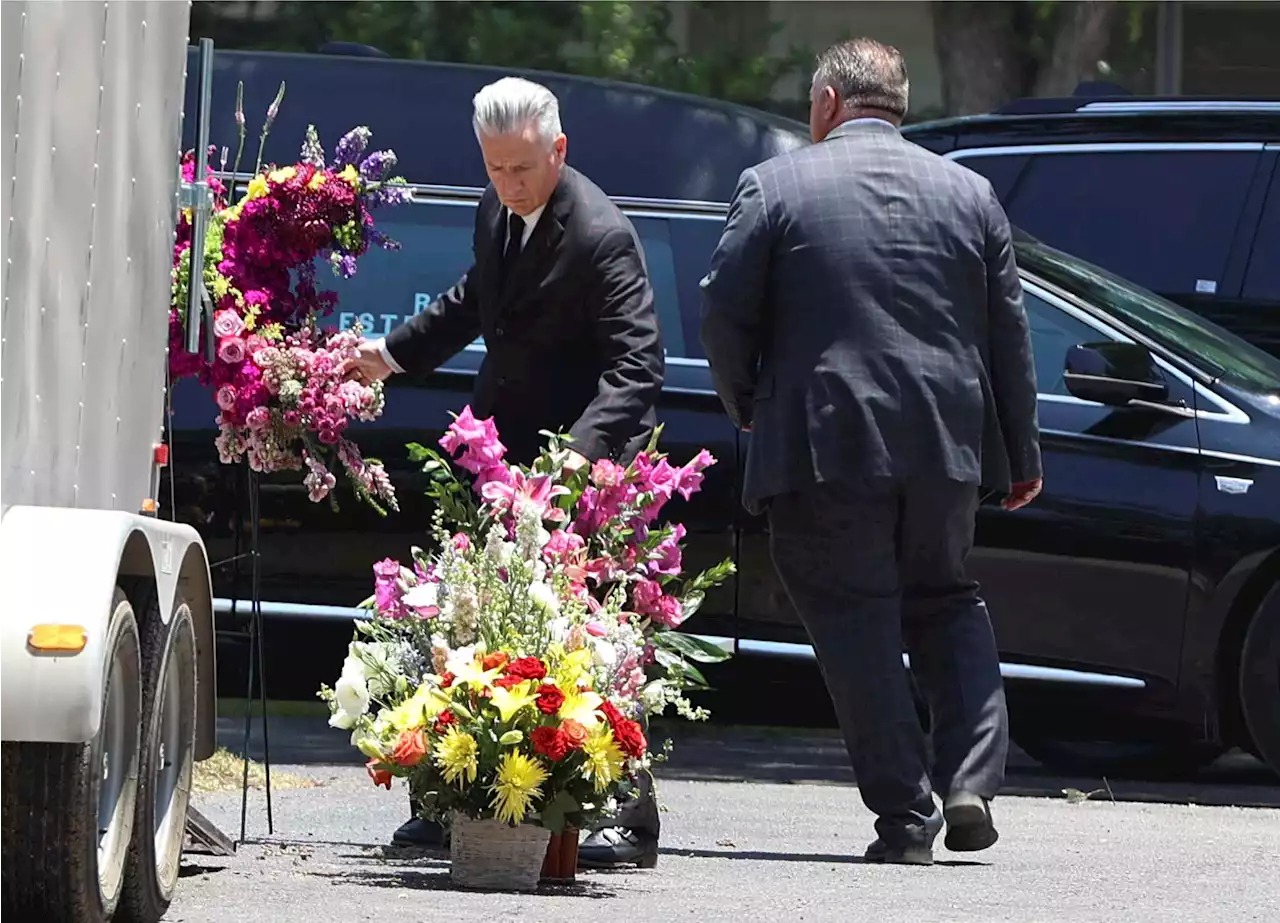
[68,638]
[148,505]
[160,454]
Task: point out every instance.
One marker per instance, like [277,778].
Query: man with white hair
[560,292]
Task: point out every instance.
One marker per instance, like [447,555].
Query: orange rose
[379,776]
[575,734]
[410,748]
[494,661]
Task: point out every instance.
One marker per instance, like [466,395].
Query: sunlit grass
[224,772]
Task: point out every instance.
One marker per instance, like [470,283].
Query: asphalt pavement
[759,825]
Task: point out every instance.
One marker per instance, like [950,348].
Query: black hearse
[1136,600]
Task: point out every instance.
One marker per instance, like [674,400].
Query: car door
[1093,576]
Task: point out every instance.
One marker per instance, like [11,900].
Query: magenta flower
[520,491]
[387,590]
[666,558]
[226,397]
[478,437]
[689,478]
[645,596]
[562,544]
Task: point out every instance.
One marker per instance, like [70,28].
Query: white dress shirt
[530,222]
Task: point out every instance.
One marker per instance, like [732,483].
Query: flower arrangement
[505,673]
[277,378]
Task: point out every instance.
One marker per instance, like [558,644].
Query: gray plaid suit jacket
[863,317]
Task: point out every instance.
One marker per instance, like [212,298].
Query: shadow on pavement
[437,879]
[716,753]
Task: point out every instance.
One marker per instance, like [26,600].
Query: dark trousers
[874,568]
[638,812]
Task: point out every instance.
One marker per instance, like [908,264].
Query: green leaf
[690,646]
[511,737]
[555,813]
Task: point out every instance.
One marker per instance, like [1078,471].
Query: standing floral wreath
[281,398]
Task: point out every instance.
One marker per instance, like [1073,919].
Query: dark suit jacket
[572,340]
[863,315]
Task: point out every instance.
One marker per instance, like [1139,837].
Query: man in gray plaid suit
[863,320]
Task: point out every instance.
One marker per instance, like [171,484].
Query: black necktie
[515,237]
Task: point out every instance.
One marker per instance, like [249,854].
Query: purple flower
[351,148]
[377,165]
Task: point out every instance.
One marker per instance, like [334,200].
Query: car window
[435,250]
[1003,171]
[1262,280]
[1165,219]
[695,239]
[1053,332]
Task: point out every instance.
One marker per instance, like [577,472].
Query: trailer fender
[61,566]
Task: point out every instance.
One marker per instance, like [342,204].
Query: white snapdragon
[351,694]
[544,597]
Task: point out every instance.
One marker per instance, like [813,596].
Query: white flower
[352,695]
[342,721]
[544,597]
[602,653]
[559,629]
[461,658]
[423,596]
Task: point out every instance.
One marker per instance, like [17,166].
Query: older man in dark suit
[863,319]
[560,291]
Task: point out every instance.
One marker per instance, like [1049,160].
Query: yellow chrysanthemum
[317,181]
[518,780]
[581,707]
[283,175]
[510,701]
[604,760]
[457,756]
[350,175]
[257,187]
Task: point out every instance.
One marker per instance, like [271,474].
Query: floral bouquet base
[560,867]
[488,855]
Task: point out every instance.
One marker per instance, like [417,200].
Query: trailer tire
[54,798]
[168,764]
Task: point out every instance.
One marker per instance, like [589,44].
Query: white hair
[508,105]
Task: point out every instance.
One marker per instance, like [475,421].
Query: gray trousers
[875,568]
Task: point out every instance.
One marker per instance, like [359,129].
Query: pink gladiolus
[667,556]
[478,437]
[645,596]
[689,479]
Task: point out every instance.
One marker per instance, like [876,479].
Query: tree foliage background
[988,52]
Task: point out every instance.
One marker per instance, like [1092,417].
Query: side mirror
[1115,374]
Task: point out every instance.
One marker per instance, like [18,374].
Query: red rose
[527,668]
[550,742]
[630,738]
[549,699]
[610,711]
[574,733]
[494,661]
[444,720]
[410,749]
[379,776]
[508,681]
[446,680]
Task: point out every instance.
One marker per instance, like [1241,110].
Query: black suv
[1181,195]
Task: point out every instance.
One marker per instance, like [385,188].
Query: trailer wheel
[69,808]
[168,762]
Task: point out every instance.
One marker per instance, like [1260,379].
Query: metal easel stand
[253,632]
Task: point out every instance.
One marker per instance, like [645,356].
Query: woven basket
[491,856]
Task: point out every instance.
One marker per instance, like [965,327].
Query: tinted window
[1053,332]
[1262,281]
[1165,219]
[1002,171]
[695,240]
[435,240]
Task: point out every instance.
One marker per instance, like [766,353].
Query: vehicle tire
[1260,679]
[1146,760]
[168,762]
[69,808]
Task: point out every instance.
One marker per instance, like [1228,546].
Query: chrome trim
[781,649]
[1104,147]
[1182,449]
[1189,105]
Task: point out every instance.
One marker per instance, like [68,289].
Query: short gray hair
[506,106]
[866,74]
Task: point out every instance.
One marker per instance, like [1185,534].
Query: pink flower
[562,543]
[670,612]
[227,323]
[690,476]
[231,350]
[666,557]
[596,630]
[607,473]
[226,397]
[386,589]
[520,491]
[258,418]
[461,542]
[645,596]
[478,437]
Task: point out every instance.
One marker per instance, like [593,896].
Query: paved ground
[742,844]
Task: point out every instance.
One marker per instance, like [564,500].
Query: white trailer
[106,618]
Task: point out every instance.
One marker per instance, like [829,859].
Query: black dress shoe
[969,824]
[882,852]
[613,847]
[423,834]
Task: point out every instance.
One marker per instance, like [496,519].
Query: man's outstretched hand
[368,366]
[1023,493]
